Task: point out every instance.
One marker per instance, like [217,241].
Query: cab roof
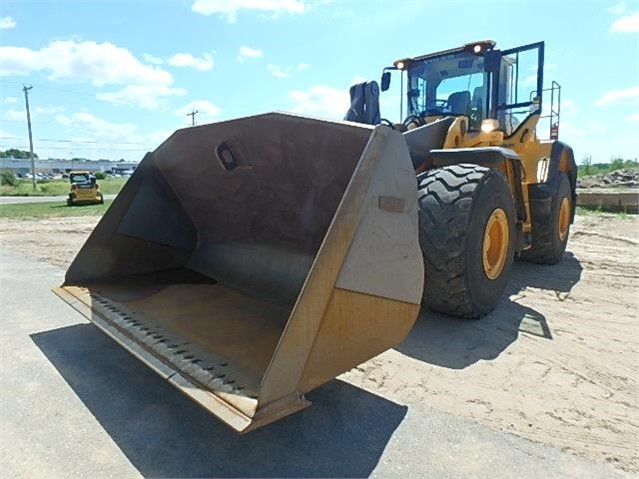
[484,46]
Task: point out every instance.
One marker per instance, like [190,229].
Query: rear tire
[549,235]
[456,205]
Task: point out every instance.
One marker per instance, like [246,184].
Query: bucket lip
[220,403]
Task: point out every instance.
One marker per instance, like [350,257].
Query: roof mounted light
[402,64]
[480,47]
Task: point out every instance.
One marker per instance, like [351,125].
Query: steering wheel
[388,123]
[418,120]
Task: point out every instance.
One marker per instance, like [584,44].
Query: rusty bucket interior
[250,261]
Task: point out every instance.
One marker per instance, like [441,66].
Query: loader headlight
[489,125]
[402,64]
[477,48]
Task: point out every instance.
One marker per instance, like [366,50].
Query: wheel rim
[564,218]
[495,247]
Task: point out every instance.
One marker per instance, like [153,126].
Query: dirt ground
[556,362]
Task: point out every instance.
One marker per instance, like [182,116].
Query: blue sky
[114,79]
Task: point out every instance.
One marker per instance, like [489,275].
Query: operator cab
[449,84]
[477,81]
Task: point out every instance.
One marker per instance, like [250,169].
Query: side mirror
[492,61]
[386,78]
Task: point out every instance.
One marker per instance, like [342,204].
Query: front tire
[467,231]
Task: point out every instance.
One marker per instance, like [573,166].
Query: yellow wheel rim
[496,237]
[564,218]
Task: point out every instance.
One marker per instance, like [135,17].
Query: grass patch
[582,211]
[51,209]
[58,187]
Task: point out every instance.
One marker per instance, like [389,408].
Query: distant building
[55,166]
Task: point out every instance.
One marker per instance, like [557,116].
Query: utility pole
[192,115]
[26,89]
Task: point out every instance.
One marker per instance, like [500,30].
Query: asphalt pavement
[8,200]
[74,404]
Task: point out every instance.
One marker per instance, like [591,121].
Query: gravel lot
[556,362]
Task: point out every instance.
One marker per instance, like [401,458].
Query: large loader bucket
[250,261]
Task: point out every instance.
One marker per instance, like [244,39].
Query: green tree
[8,179]
[15,153]
[586,163]
[617,163]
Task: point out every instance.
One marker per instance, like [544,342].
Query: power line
[84,94]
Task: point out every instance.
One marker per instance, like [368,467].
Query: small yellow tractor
[84,189]
[250,261]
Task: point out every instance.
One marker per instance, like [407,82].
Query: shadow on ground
[164,434]
[458,343]
[560,278]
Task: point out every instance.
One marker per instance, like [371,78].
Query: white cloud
[320,100]
[85,135]
[150,97]
[203,63]
[5,135]
[63,120]
[285,72]
[38,111]
[11,99]
[248,52]
[617,9]
[7,23]
[91,124]
[229,8]
[183,60]
[151,59]
[207,111]
[95,137]
[627,24]
[616,96]
[102,64]
[277,71]
[634,117]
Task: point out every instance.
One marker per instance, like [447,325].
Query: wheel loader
[250,261]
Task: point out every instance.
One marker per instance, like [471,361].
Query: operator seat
[459,102]
[478,98]
[477,107]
